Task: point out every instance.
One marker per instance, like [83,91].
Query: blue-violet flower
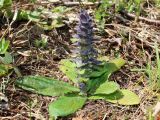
[86,56]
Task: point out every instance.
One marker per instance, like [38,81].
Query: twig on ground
[143,19]
[119,28]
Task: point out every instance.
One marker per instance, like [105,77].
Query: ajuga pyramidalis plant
[92,77]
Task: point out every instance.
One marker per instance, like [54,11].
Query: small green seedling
[42,43]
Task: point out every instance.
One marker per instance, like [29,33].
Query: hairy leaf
[45,86]
[129,98]
[66,105]
[122,97]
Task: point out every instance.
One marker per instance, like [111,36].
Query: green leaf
[94,83]
[34,16]
[23,15]
[107,88]
[96,74]
[3,46]
[105,72]
[108,67]
[56,23]
[66,105]
[115,65]
[97,71]
[122,97]
[45,86]
[129,98]
[69,69]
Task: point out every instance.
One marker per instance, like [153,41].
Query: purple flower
[87,53]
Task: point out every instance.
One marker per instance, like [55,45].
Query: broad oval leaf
[129,98]
[66,105]
[122,97]
[69,69]
[45,86]
[107,88]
